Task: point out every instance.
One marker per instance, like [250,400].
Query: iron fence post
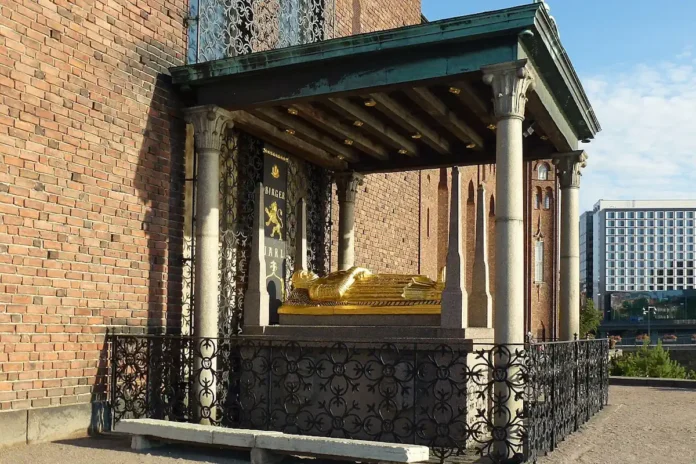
[552,348]
[269,402]
[112,390]
[415,391]
[576,380]
[148,381]
[587,381]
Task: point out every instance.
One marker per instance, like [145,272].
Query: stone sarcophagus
[358,297]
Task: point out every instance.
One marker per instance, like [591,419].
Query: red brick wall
[387,220]
[361,16]
[91,182]
[86,178]
[543,226]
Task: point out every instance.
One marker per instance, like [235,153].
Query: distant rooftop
[644,204]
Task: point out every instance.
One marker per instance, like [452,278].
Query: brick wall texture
[90,196]
[91,189]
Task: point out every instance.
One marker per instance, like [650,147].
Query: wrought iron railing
[491,400]
[225,28]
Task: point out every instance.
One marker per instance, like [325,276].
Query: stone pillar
[209,124]
[481,314]
[510,82]
[347,183]
[301,237]
[568,166]
[454,298]
[256,299]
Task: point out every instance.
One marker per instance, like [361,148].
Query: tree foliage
[650,362]
[590,318]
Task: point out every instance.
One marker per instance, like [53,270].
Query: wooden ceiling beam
[262,129]
[403,117]
[442,114]
[307,133]
[468,96]
[342,130]
[372,124]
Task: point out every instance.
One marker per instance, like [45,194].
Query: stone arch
[543,171]
[538,198]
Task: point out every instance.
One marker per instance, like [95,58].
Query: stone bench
[269,447]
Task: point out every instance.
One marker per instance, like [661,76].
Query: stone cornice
[348,183]
[568,166]
[510,82]
[209,124]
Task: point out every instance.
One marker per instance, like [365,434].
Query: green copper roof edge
[581,114]
[510,21]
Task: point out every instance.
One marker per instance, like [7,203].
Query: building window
[547,199]
[537,198]
[428,222]
[539,261]
[543,172]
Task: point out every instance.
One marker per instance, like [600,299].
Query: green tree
[650,362]
[590,318]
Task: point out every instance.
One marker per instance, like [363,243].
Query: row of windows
[642,288]
[660,231]
[649,258]
[650,214]
[649,247]
[650,280]
[650,223]
[660,248]
[650,239]
[650,272]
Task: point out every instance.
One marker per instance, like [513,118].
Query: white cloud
[647,146]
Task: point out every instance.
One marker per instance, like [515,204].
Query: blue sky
[637,62]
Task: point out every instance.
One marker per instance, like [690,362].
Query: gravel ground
[641,425]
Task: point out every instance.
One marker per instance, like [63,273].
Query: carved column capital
[348,183]
[568,166]
[209,124]
[510,82]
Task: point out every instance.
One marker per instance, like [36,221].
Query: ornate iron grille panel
[494,401]
[568,384]
[224,28]
[312,183]
[241,168]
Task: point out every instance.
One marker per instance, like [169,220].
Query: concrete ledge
[52,423]
[13,428]
[340,447]
[652,382]
[267,446]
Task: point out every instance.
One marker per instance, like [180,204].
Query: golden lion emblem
[275,217]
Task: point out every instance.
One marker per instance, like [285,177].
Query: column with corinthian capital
[568,166]
[347,184]
[510,82]
[209,125]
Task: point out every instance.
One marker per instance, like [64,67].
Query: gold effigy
[357,291]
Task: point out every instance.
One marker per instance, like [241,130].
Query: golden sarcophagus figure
[357,291]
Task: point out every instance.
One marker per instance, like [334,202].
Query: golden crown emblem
[275,172]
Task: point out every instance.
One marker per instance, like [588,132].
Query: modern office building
[637,260]
[586,254]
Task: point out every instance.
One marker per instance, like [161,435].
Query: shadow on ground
[190,452]
[170,450]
